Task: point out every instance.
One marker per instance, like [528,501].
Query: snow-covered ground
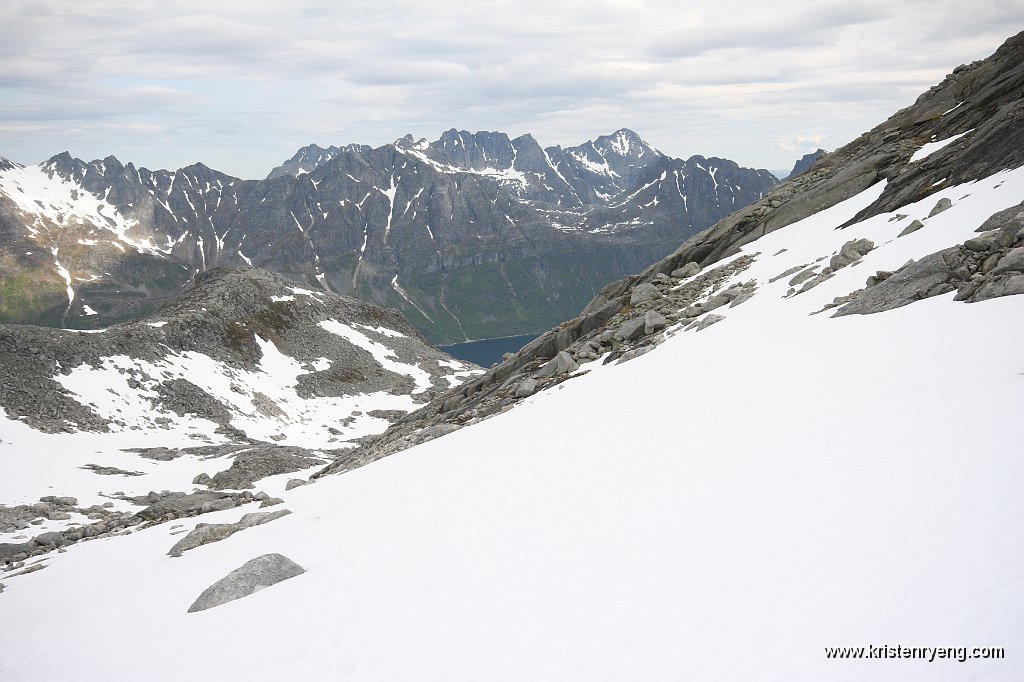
[724,507]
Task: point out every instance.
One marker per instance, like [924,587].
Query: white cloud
[240,85]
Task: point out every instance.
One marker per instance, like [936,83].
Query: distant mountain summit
[805,162]
[311,156]
[474,235]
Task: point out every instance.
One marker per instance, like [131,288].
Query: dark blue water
[486,352]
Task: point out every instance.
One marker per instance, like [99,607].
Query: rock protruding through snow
[252,576]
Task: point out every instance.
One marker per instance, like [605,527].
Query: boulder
[688,270]
[252,576]
[716,301]
[911,228]
[803,276]
[562,363]
[707,321]
[942,205]
[262,461]
[1003,286]
[526,387]
[631,329]
[10,551]
[1013,261]
[653,321]
[178,505]
[438,430]
[643,293]
[52,538]
[850,252]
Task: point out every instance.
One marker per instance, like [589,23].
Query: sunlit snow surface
[722,508]
[930,148]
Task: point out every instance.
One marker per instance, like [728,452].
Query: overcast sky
[240,85]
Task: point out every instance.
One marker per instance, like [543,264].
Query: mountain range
[470,236]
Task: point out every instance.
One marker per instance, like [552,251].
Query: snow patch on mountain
[263,403]
[54,201]
[930,148]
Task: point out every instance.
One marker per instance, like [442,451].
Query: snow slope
[721,508]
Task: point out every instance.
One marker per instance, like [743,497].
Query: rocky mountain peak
[476,151]
[313,155]
[625,144]
[805,162]
[63,162]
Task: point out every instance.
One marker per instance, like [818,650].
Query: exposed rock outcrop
[232,317]
[987,266]
[252,576]
[205,533]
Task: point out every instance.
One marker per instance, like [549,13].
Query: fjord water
[486,352]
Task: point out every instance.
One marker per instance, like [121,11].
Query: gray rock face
[14,551]
[911,228]
[643,293]
[438,430]
[631,329]
[851,252]
[988,266]
[52,538]
[178,505]
[205,533]
[526,387]
[252,576]
[942,205]
[910,284]
[560,364]
[259,462]
[1011,262]
[653,321]
[688,270]
[1004,286]
[707,321]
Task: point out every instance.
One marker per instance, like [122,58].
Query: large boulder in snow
[252,576]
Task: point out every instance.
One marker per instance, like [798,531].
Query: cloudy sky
[241,84]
